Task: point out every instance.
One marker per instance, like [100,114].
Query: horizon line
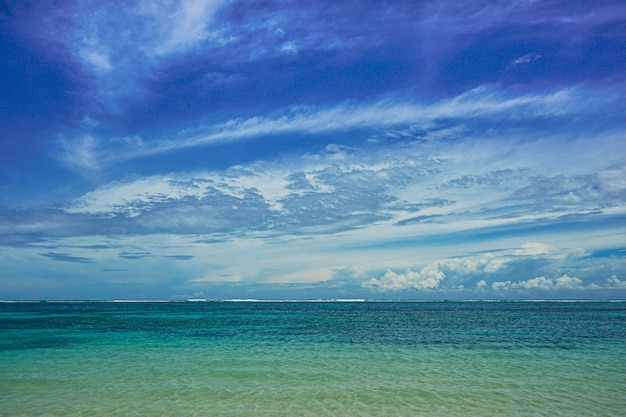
[317,300]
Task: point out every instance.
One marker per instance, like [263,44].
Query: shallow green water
[313,359]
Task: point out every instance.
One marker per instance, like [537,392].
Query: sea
[250,358]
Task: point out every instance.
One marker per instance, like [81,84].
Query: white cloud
[82,154]
[526,59]
[612,179]
[428,278]
[534,249]
[289,48]
[615,282]
[567,282]
[98,59]
[133,198]
[119,44]
[131,195]
[479,102]
[461,18]
[487,264]
[179,25]
[564,282]
[339,188]
[134,31]
[388,114]
[272,184]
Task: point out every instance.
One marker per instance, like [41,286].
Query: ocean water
[313,359]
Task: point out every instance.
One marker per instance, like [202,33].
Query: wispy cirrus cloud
[89,154]
[122,55]
[526,59]
[469,17]
[118,47]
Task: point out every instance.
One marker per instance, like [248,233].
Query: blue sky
[279,149]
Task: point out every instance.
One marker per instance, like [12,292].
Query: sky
[448,149]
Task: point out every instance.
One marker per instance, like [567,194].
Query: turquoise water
[313,359]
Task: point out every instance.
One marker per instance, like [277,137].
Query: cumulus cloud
[486,264]
[564,282]
[428,278]
[615,282]
[478,272]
